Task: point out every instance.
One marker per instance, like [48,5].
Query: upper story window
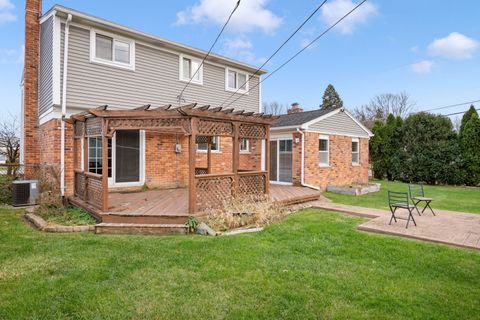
[355,151]
[215,145]
[244,145]
[191,68]
[112,50]
[323,151]
[236,80]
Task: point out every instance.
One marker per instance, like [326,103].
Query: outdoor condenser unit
[24,193]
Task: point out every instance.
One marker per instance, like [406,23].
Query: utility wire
[453,114]
[278,49]
[180,96]
[452,105]
[303,49]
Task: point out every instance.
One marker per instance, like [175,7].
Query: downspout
[302,171]
[64,106]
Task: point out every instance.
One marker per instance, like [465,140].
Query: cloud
[454,46]
[240,48]
[12,55]
[251,15]
[422,67]
[6,14]
[334,10]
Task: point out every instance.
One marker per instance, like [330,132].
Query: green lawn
[314,264]
[465,199]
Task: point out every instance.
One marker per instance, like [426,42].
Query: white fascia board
[56,53]
[333,133]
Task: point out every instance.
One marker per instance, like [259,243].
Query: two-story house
[85,62]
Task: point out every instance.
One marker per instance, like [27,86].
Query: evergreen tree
[469,140]
[331,99]
[384,145]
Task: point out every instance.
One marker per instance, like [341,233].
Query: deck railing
[89,188]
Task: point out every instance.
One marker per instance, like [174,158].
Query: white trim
[278,161]
[182,56]
[49,115]
[281,183]
[357,140]
[285,128]
[47,16]
[56,60]
[219,150]
[149,37]
[237,90]
[248,146]
[113,63]
[324,165]
[332,133]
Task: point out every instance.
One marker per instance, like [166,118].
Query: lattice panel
[149,123]
[251,185]
[94,126]
[95,192]
[203,139]
[79,185]
[200,171]
[78,129]
[253,131]
[212,193]
[215,128]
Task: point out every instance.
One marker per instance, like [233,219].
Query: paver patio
[449,227]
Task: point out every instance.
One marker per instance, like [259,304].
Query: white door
[281,161]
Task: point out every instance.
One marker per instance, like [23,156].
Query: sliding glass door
[127,156]
[281,160]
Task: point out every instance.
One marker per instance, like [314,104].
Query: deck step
[144,219]
[297,200]
[134,228]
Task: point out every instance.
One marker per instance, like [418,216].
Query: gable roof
[299,118]
[306,120]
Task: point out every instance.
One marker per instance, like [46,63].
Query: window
[108,49]
[323,151]
[188,70]
[215,145]
[244,145]
[235,80]
[355,151]
[95,156]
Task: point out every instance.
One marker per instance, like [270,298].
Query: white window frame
[247,149]
[242,91]
[357,140]
[324,137]
[112,63]
[113,180]
[180,69]
[213,150]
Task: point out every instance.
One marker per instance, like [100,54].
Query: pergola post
[192,194]
[85,158]
[235,157]
[209,155]
[104,166]
[267,159]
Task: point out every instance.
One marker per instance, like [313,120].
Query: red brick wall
[30,102]
[340,172]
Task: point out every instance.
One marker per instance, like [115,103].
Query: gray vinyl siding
[339,123]
[155,80]
[45,86]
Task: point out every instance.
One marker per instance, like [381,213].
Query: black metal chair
[417,194]
[399,200]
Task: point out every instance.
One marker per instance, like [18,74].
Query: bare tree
[10,139]
[274,108]
[380,106]
[457,121]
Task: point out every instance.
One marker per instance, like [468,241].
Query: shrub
[6,189]
[246,212]
[469,140]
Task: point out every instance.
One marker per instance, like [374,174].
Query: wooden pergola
[200,124]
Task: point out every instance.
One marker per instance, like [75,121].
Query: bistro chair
[399,200]
[417,194]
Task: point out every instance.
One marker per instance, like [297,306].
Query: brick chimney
[33,11]
[295,108]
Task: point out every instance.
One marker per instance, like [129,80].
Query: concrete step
[135,228]
[144,219]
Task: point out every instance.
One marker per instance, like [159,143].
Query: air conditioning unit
[25,192]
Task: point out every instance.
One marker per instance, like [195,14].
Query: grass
[464,199]
[71,216]
[312,265]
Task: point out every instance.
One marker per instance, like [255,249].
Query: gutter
[302,175]
[64,106]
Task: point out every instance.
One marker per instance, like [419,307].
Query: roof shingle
[299,118]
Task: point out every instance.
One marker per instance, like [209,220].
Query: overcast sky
[428,48]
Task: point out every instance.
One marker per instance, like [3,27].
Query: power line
[278,49]
[453,114]
[452,105]
[209,51]
[303,49]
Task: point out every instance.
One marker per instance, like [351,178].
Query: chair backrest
[397,198]
[416,190]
